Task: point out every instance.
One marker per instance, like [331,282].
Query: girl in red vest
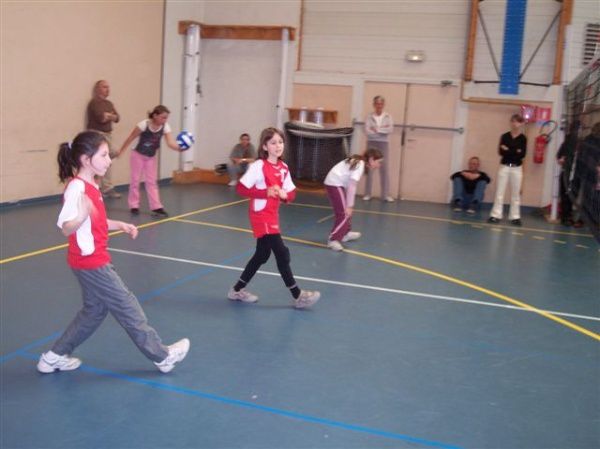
[83,220]
[267,183]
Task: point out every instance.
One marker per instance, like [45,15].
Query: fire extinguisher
[542,141]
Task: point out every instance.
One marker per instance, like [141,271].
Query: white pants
[514,175]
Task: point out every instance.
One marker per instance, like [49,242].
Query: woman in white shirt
[341,182]
[379,125]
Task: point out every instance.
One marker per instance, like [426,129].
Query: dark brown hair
[266,135]
[371,153]
[69,153]
[158,110]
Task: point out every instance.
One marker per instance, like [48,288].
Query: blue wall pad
[514,29]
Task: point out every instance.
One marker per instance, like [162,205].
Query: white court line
[349,284]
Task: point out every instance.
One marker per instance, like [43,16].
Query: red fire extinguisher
[542,141]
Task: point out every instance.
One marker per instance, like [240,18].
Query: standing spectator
[379,125]
[241,155]
[512,149]
[468,187]
[565,158]
[101,114]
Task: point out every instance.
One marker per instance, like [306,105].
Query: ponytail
[69,154]
[371,153]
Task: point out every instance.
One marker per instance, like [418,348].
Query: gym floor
[434,329]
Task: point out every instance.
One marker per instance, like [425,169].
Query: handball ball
[185,140]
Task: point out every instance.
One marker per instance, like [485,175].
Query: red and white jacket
[263,211]
[88,246]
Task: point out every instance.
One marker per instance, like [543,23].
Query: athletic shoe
[177,352]
[516,222]
[471,211]
[306,299]
[232,183]
[351,236]
[389,199]
[456,206]
[51,361]
[335,245]
[134,211]
[493,220]
[112,193]
[159,213]
[242,295]
[367,198]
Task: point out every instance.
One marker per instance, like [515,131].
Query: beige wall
[334,98]
[486,123]
[52,53]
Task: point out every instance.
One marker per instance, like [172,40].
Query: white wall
[372,37]
[239,78]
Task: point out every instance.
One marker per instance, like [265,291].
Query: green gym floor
[434,330]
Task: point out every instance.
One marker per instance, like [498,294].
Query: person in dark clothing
[565,158]
[512,149]
[468,187]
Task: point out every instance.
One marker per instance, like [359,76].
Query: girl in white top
[341,182]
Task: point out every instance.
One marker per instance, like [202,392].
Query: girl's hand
[282,194]
[130,229]
[349,211]
[272,191]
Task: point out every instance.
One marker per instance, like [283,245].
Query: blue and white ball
[185,140]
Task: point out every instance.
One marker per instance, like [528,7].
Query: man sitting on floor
[468,187]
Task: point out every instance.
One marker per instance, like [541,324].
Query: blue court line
[35,344]
[251,405]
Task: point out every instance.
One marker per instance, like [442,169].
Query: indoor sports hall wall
[239,78]
[52,53]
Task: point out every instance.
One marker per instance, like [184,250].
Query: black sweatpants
[264,246]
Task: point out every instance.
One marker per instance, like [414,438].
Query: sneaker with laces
[243,295]
[177,352]
[159,213]
[51,361]
[335,245]
[516,222]
[134,211]
[351,236]
[367,198]
[232,183]
[389,199]
[493,220]
[306,299]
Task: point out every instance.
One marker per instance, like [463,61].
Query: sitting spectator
[241,156]
[468,187]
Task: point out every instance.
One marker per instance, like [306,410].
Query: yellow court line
[445,220]
[145,225]
[435,274]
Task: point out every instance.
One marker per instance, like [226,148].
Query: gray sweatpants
[383,171]
[103,292]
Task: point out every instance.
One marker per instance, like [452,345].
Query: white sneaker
[242,295]
[367,198]
[51,361]
[335,245]
[351,236]
[306,299]
[389,199]
[232,183]
[177,352]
